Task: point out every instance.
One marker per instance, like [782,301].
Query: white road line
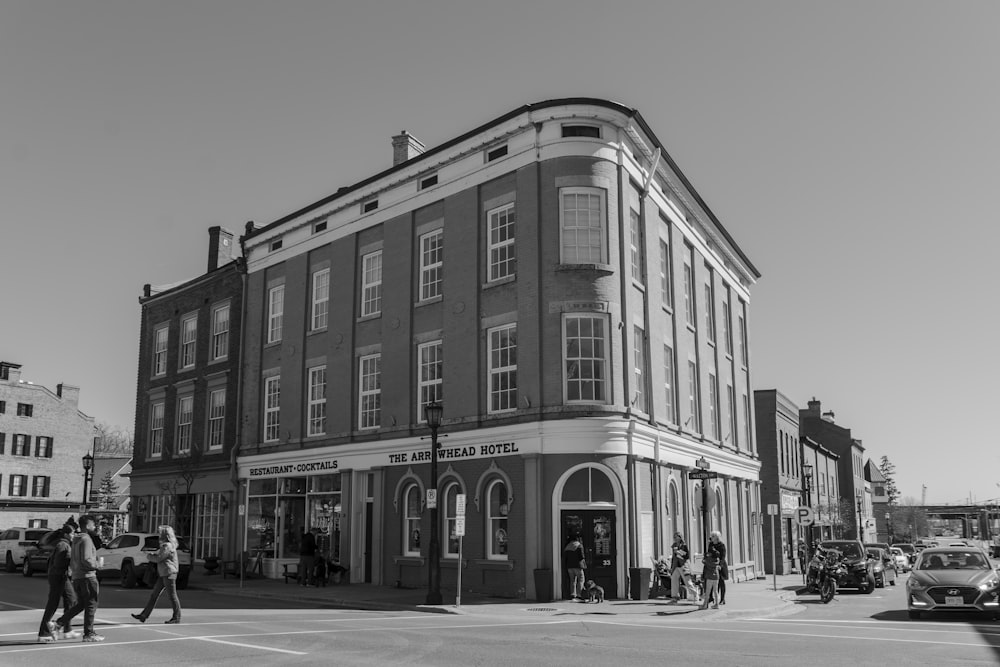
[260,648]
[909,626]
[20,606]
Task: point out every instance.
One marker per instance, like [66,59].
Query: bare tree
[178,490]
[909,520]
[112,441]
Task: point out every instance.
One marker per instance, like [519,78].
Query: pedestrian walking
[680,570]
[83,566]
[60,586]
[575,563]
[307,558]
[710,577]
[167,566]
[718,547]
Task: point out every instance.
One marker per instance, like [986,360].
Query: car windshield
[953,560]
[848,549]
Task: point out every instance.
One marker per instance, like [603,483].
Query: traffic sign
[702,474]
[459,526]
[460,504]
[432,498]
[772,508]
[804,516]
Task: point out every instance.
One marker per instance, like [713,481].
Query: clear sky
[851,148]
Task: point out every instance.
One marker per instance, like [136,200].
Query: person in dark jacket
[307,558]
[59,583]
[83,567]
[574,562]
[680,570]
[718,547]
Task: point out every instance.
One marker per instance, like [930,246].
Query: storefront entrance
[596,529]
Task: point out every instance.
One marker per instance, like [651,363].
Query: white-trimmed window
[669,385]
[502,357]
[156,429]
[637,247]
[160,337]
[431,262]
[713,406]
[18,485]
[21,445]
[216,418]
[727,330]
[586,358]
[688,293]
[665,283]
[430,376]
[449,539]
[411,520]
[185,415]
[43,447]
[731,406]
[583,222]
[317,400]
[272,408]
[743,340]
[639,358]
[189,340]
[220,332]
[709,311]
[746,420]
[320,299]
[275,313]
[370,388]
[371,284]
[694,400]
[502,232]
[40,486]
[497,503]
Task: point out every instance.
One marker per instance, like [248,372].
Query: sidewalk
[754,598]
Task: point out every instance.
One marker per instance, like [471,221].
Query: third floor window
[431,261]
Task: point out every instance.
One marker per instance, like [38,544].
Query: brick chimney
[220,247]
[404,147]
[68,393]
[814,408]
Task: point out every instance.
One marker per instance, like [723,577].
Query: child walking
[710,575]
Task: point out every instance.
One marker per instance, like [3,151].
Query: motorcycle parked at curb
[825,570]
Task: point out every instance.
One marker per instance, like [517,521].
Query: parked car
[902,560]
[36,557]
[125,557]
[15,541]
[860,568]
[910,550]
[953,579]
[884,567]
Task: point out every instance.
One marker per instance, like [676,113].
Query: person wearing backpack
[60,586]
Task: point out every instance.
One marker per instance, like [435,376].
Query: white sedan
[902,560]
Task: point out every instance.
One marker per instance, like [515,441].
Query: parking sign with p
[804,516]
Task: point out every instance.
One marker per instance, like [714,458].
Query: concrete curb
[334,603]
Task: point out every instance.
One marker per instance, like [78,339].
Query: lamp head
[807,470]
[88,461]
[432,413]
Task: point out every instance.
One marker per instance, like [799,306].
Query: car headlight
[915,584]
[989,584]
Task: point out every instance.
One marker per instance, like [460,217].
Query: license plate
[954,600]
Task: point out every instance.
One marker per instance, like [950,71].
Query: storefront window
[260,524]
[496,519]
[451,514]
[281,510]
[411,524]
[588,485]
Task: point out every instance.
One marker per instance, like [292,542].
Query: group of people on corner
[72,576]
[677,571]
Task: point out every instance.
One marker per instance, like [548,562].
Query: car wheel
[128,575]
[914,614]
[11,565]
[869,585]
[880,582]
[26,567]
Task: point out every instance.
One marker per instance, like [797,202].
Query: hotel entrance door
[596,529]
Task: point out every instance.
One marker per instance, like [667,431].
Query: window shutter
[52,444]
[45,489]
[38,446]
[3,440]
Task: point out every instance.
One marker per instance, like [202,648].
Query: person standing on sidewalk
[167,566]
[83,566]
[60,586]
[307,558]
[718,547]
[710,575]
[574,562]
[680,570]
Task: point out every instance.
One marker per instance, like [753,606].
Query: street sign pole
[460,533]
[774,563]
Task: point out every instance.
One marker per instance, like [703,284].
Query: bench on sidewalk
[290,571]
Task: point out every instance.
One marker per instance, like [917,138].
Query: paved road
[854,629]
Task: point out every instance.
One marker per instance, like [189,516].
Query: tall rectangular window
[746,420]
[742,333]
[25,409]
[688,293]
[709,310]
[185,415]
[216,418]
[430,382]
[431,262]
[370,385]
[317,400]
[666,287]
[639,353]
[43,447]
[713,406]
[275,313]
[732,436]
[637,247]
[160,350]
[502,232]
[40,486]
[371,284]
[727,330]
[220,332]
[189,340]
[272,408]
[320,299]
[694,400]
[22,445]
[156,429]
[583,223]
[670,389]
[502,375]
[586,358]
[18,485]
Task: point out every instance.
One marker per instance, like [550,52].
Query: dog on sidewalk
[592,592]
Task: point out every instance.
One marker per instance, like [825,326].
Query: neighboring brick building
[43,439]
[777,425]
[556,282]
[186,402]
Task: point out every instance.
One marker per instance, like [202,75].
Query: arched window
[496,520]
[411,520]
[673,512]
[717,513]
[450,540]
[588,485]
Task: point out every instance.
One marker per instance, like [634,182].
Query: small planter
[211,564]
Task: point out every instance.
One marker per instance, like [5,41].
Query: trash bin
[543,585]
[638,582]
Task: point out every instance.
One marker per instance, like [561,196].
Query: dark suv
[860,568]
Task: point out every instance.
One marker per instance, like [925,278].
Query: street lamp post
[433,412]
[888,526]
[88,467]
[807,473]
[858,496]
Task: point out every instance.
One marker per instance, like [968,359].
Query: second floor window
[583,225]
[694,400]
[586,358]
[638,252]
[370,386]
[709,313]
[317,401]
[639,352]
[220,332]
[502,373]
[371,284]
[189,340]
[669,387]
[216,418]
[742,333]
[727,331]
[665,283]
[272,408]
[275,313]
[431,261]
[156,429]
[18,485]
[502,231]
[430,376]
[713,407]
[688,294]
[731,411]
[21,445]
[321,299]
[160,351]
[43,447]
[40,486]
[185,414]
